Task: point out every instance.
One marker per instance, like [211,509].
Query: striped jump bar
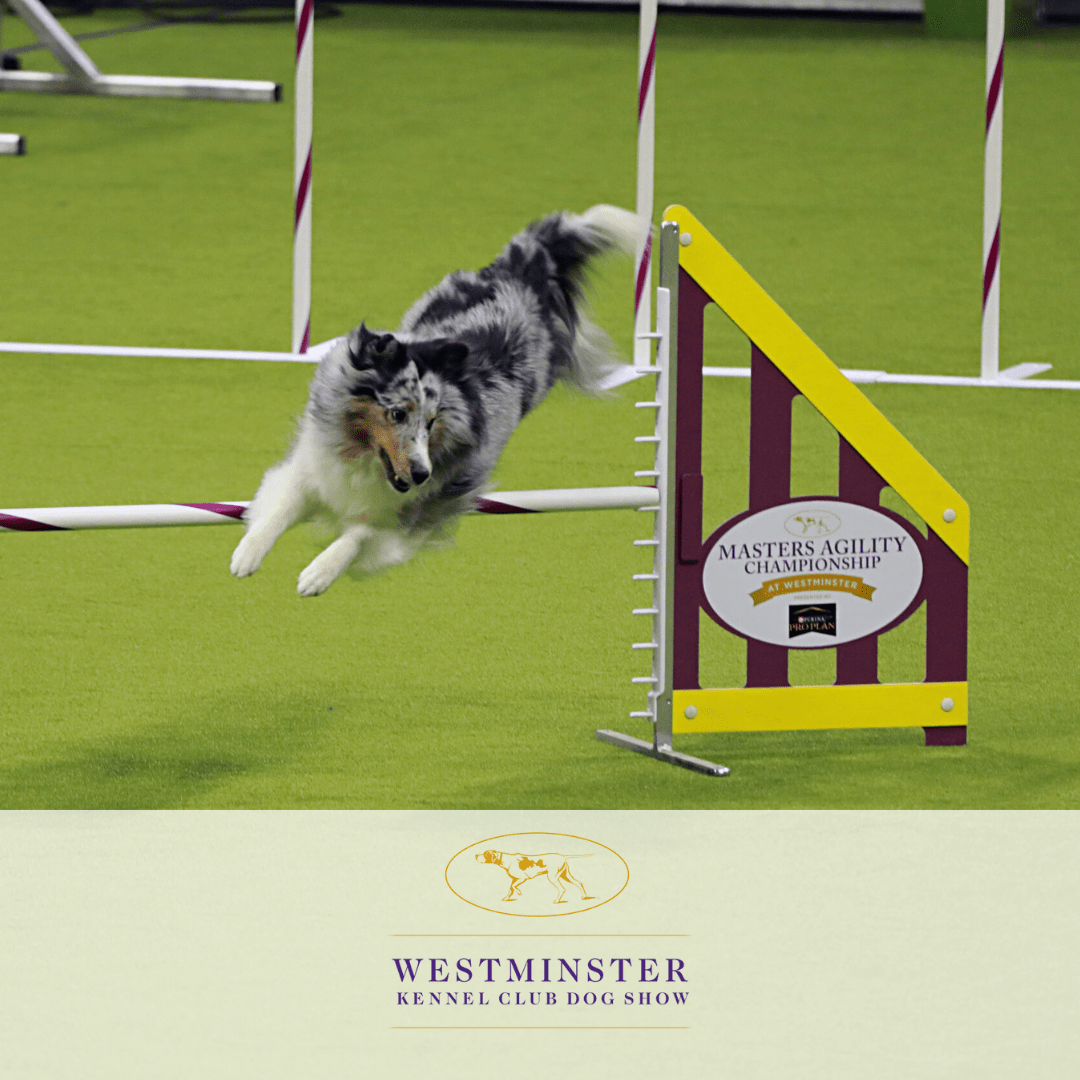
[147,515]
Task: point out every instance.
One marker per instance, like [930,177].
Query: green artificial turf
[840,162]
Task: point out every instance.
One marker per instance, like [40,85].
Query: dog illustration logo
[580,874]
[521,868]
[815,522]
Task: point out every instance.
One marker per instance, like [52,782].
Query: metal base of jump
[12,144]
[143,86]
[83,77]
[672,757]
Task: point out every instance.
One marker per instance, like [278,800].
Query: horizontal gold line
[541,1027]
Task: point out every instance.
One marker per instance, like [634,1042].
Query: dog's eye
[398,415]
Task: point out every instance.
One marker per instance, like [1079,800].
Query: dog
[402,430]
[523,868]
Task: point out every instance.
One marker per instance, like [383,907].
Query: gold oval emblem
[537,875]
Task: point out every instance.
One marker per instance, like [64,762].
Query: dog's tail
[572,242]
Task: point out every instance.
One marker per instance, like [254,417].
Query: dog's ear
[359,339]
[441,356]
[368,350]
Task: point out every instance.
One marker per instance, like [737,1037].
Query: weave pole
[646,149]
[990,361]
[303,123]
[148,515]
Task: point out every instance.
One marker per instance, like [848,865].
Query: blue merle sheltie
[402,430]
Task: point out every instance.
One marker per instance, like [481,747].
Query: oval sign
[537,875]
[812,574]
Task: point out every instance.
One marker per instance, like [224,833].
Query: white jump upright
[664,476]
[990,350]
[303,120]
[646,152]
[991,278]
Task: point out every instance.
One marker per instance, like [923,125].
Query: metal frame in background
[83,76]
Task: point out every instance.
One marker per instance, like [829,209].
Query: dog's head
[489,857]
[396,397]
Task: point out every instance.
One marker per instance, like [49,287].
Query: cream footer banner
[476,945]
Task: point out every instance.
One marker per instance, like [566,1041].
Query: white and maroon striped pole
[146,515]
[991,312]
[646,147]
[302,113]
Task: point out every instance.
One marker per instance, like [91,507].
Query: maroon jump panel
[693,300]
[944,586]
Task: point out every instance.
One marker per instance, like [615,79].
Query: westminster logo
[521,868]
[537,875]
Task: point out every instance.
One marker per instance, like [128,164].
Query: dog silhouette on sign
[522,868]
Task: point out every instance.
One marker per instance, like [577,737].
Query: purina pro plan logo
[812,574]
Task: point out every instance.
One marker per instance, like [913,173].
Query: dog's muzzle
[395,481]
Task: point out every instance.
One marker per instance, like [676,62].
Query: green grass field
[840,162]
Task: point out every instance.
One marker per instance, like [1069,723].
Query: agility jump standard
[788,573]
[1018,376]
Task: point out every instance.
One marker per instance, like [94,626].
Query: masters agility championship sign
[789,573]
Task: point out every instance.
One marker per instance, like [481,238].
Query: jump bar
[148,515]
[312,356]
[1014,378]
[160,86]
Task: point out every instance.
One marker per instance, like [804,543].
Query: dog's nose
[419,474]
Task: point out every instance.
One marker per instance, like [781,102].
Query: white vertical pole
[303,103]
[645,173]
[991,318]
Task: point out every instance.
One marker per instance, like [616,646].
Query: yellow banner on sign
[797,583]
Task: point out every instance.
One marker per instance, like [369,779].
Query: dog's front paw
[314,581]
[248,556]
[320,574]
